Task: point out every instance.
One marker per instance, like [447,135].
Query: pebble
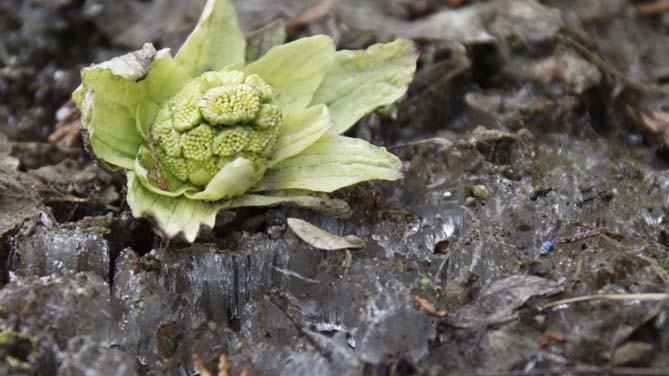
[480,192]
[547,247]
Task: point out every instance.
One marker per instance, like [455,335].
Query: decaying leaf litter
[555,108]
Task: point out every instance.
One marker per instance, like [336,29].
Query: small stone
[525,134]
[481,192]
[212,326]
[632,353]
[470,201]
[547,247]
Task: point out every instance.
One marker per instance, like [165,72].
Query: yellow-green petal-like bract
[203,131]
[361,81]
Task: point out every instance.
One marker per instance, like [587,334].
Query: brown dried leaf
[658,125]
[313,12]
[428,307]
[653,8]
[322,239]
[551,336]
[68,129]
[198,363]
[223,365]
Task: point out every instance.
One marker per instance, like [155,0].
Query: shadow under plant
[533,175]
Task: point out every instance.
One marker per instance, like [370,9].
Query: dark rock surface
[531,177]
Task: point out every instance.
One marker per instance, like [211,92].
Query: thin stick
[581,371]
[434,141]
[604,297]
[281,303]
[602,64]
[608,297]
[654,8]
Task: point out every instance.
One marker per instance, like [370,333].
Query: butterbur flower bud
[207,130]
[214,119]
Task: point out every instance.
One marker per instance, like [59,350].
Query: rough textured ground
[528,122]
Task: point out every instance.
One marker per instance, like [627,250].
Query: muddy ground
[529,237]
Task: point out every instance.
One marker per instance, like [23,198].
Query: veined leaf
[181,215]
[301,130]
[331,163]
[109,98]
[165,78]
[295,70]
[216,41]
[233,179]
[173,215]
[326,205]
[361,81]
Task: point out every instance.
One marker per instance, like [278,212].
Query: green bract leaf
[173,215]
[232,180]
[295,70]
[145,115]
[331,163]
[166,77]
[328,206]
[109,98]
[361,81]
[216,41]
[301,130]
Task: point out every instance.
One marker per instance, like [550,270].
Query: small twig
[155,173]
[428,141]
[608,297]
[311,13]
[442,265]
[602,297]
[589,371]
[281,303]
[162,182]
[69,199]
[593,58]
[654,8]
[594,231]
[63,197]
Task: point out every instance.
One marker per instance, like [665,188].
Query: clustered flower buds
[213,120]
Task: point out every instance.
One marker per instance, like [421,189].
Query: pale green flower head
[206,130]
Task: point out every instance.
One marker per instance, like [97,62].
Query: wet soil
[529,235]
